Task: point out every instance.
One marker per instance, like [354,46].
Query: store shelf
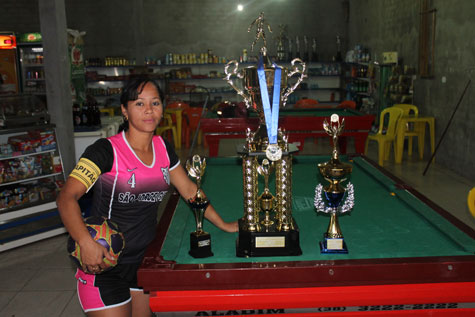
[30,179]
[2,158]
[7,214]
[32,65]
[28,209]
[325,75]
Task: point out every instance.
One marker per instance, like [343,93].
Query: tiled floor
[37,279]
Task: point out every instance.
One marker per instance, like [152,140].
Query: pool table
[299,123]
[406,255]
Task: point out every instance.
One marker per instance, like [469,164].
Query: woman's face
[144,114]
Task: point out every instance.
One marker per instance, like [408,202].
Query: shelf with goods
[323,83]
[32,68]
[400,85]
[360,85]
[31,176]
[187,82]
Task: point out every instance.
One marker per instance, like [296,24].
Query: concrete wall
[153,28]
[150,28]
[387,25]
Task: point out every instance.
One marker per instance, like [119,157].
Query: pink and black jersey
[128,191]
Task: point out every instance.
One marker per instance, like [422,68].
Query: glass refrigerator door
[8,72]
[32,71]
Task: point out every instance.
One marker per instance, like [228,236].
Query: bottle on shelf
[76,115]
[85,115]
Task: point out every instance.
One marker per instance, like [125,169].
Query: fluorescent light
[240,7]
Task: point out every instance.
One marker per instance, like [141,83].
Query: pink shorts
[108,289]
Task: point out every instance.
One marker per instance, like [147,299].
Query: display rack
[31,178]
[181,81]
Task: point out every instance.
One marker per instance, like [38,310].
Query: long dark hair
[131,91]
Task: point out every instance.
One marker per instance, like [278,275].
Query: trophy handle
[298,67]
[234,71]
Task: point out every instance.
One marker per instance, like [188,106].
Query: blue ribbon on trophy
[273,151]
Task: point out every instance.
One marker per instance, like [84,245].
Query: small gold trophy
[200,241]
[267,227]
[334,198]
[266,199]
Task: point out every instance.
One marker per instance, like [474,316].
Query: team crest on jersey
[166,175]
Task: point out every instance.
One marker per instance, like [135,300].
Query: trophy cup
[314,50]
[338,57]
[200,241]
[280,43]
[267,227]
[334,199]
[305,48]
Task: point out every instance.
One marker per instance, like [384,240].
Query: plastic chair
[174,108]
[386,133]
[109,110]
[167,125]
[192,118]
[347,104]
[471,201]
[306,103]
[411,130]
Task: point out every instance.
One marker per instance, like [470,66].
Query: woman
[132,172]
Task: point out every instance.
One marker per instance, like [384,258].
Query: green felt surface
[381,225]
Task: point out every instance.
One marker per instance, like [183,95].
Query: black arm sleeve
[101,153]
[174,160]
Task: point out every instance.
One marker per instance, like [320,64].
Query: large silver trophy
[267,227]
[334,199]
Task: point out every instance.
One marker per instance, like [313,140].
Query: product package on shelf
[20,195]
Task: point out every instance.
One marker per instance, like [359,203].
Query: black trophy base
[267,243]
[332,246]
[200,245]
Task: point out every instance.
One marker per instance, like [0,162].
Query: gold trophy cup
[267,227]
[333,198]
[200,241]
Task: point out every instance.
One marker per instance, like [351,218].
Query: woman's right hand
[92,256]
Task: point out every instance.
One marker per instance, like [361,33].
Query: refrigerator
[32,74]
[9,77]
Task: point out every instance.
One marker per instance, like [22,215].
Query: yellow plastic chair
[471,201]
[109,110]
[167,125]
[386,133]
[411,130]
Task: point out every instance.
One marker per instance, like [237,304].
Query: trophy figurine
[305,48]
[266,199]
[314,50]
[334,198]
[200,241]
[267,227]
[338,57]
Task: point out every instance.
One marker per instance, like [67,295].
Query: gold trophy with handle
[200,241]
[265,89]
[334,199]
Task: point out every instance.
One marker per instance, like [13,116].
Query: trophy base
[200,245]
[267,243]
[331,246]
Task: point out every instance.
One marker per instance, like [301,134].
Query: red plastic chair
[306,104]
[192,117]
[350,104]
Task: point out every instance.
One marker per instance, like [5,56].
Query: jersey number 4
[131,181]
